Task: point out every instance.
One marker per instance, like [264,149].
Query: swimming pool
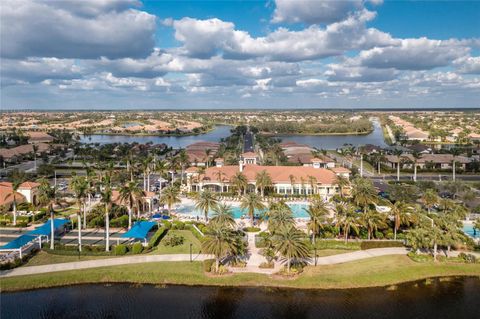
[297,209]
[468,229]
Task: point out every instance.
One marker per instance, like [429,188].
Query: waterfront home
[27,192]
[298,180]
[431,161]
[15,153]
[39,137]
[201,152]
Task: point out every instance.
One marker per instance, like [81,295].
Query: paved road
[78,265]
[441,177]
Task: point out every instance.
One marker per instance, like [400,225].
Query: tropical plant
[131,194]
[251,202]
[372,220]
[184,162]
[363,193]
[106,200]
[17,177]
[317,211]
[220,242]
[263,180]
[429,198]
[170,196]
[416,156]
[79,187]
[279,215]
[455,152]
[401,216]
[347,219]
[342,182]
[398,154]
[240,182]
[48,197]
[290,244]
[223,216]
[205,201]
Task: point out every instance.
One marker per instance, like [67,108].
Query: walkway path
[77,265]
[359,255]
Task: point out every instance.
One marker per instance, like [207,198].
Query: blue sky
[239,54]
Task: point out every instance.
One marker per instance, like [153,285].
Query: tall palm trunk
[85,211]
[453,171]
[435,246]
[217,264]
[144,181]
[107,229]
[14,211]
[415,172]
[79,220]
[129,217]
[378,167]
[398,171]
[361,165]
[52,230]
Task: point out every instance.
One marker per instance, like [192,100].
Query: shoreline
[315,134]
[445,278]
[373,272]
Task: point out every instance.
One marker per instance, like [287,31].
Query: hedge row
[380,244]
[157,237]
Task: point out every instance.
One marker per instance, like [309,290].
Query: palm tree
[170,196]
[263,180]
[145,165]
[398,154]
[184,162]
[35,150]
[347,219]
[279,215]
[251,202]
[416,156]
[207,156]
[91,187]
[79,186]
[206,201]
[219,241]
[455,152]
[372,220]
[17,178]
[107,201]
[401,216]
[317,211]
[223,216]
[290,243]
[292,181]
[312,180]
[430,198]
[363,193]
[239,180]
[220,176]
[131,194]
[342,182]
[161,169]
[48,196]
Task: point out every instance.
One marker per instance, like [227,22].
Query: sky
[132,54]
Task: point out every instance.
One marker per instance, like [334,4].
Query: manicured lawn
[379,271]
[180,249]
[44,258]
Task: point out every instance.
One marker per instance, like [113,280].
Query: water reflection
[456,298]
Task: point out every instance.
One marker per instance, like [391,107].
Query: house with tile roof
[294,180]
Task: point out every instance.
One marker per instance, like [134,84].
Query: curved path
[77,265]
[251,267]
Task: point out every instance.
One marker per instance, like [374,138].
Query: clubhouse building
[288,180]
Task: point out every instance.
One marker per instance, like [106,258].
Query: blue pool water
[297,209]
[468,229]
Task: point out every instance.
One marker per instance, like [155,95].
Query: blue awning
[45,229]
[139,230]
[18,242]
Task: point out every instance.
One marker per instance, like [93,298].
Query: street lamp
[191,252]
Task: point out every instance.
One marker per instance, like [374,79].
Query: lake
[330,142]
[457,298]
[214,135]
[222,131]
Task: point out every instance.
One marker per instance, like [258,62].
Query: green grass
[181,249]
[331,252]
[379,271]
[44,258]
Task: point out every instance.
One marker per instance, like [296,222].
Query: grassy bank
[379,271]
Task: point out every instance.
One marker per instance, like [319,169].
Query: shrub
[468,258]
[137,248]
[336,244]
[167,224]
[379,235]
[178,225]
[251,229]
[157,237]
[174,240]
[208,264]
[121,221]
[120,250]
[266,265]
[379,244]
[419,257]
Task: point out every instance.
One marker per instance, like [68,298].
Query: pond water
[222,131]
[457,298]
[331,142]
[298,211]
[215,135]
